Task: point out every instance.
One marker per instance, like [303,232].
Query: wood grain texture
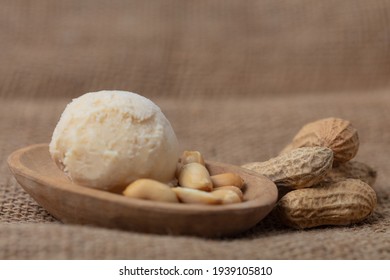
[71,203]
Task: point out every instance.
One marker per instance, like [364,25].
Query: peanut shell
[334,133]
[341,203]
[353,170]
[298,168]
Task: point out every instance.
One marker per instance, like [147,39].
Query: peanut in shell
[341,203]
[335,133]
[298,168]
[352,170]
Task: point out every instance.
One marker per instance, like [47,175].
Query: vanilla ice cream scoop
[108,139]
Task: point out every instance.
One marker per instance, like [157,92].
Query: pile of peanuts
[318,181]
[193,184]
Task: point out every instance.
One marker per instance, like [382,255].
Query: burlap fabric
[236,79]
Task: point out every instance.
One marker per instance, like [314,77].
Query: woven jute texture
[237,79]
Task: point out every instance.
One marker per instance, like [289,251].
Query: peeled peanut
[194,196]
[190,157]
[149,189]
[231,188]
[227,196]
[186,158]
[227,179]
[195,176]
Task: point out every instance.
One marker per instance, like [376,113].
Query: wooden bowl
[71,203]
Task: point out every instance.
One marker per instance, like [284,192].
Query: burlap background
[236,79]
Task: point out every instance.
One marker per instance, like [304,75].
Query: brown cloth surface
[237,79]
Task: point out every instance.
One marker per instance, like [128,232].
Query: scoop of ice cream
[108,139]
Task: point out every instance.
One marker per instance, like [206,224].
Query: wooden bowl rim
[17,167]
